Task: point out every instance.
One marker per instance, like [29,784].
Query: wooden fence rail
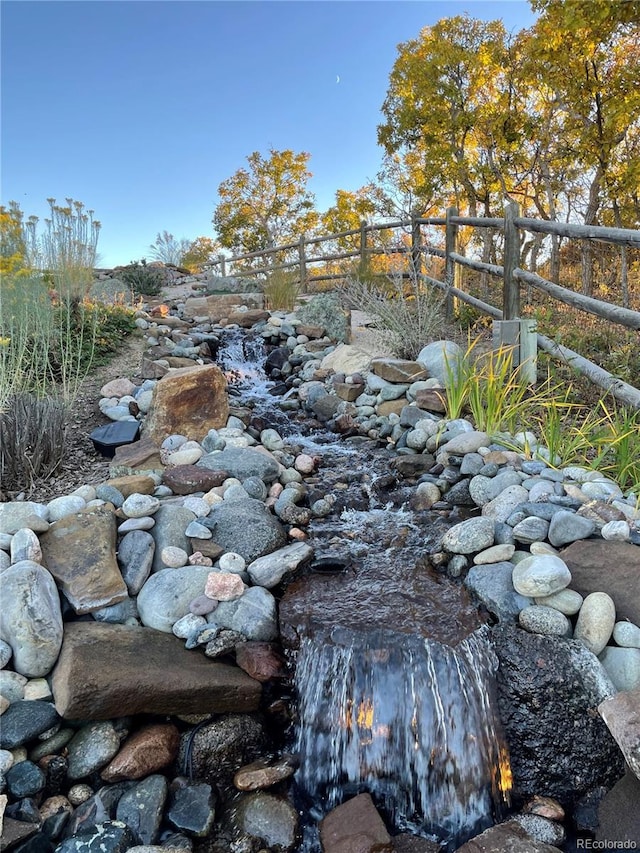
[512,227]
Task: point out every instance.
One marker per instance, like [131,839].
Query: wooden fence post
[450,245]
[303,265]
[223,266]
[364,257]
[416,251]
[511,287]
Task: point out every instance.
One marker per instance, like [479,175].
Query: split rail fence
[513,228]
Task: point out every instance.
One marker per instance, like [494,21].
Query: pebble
[627,634]
[254,614]
[475,534]
[566,527]
[66,505]
[24,720]
[173,557]
[138,506]
[143,523]
[531,529]
[616,531]
[539,576]
[192,809]
[91,749]
[196,530]
[567,601]
[224,586]
[188,454]
[495,554]
[167,594]
[501,507]
[232,562]
[541,829]
[190,622]
[539,619]
[201,606]
[135,557]
[622,666]
[25,545]
[596,621]
[198,506]
[5,653]
[304,463]
[79,794]
[25,779]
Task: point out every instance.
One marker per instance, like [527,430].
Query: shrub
[406,314]
[325,310]
[32,434]
[142,279]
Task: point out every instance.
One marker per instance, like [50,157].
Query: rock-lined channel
[146,607]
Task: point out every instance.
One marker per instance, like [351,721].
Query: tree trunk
[586,245]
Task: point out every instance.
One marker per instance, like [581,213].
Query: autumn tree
[590,56]
[265,204]
[200,252]
[13,247]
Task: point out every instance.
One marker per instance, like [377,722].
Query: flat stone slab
[107,671]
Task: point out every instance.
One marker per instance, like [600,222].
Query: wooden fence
[513,227]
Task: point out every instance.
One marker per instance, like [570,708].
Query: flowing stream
[393,667]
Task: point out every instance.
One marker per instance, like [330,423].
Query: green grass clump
[143,280]
[281,291]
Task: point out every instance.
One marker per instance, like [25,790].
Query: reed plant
[281,291]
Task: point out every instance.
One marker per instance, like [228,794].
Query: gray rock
[112,836]
[568,527]
[596,620]
[12,685]
[5,654]
[140,506]
[502,506]
[625,634]
[540,575]
[141,808]
[166,595]
[24,720]
[242,462]
[541,828]
[15,515]
[567,601]
[25,779]
[620,713]
[466,442]
[622,666]
[25,545]
[438,357]
[169,529]
[135,557]
[123,613]
[30,618]
[91,749]
[247,528]
[106,492]
[253,615]
[475,534]
[530,530]
[484,489]
[492,584]
[192,809]
[66,505]
[271,819]
[269,570]
[545,620]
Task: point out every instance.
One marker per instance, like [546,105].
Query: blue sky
[140,108]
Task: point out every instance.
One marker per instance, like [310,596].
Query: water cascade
[393,667]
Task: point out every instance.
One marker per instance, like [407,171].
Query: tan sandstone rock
[188,401]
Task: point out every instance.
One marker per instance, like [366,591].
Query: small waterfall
[408,719]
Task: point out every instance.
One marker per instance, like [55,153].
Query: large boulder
[347,359]
[548,690]
[107,671]
[188,401]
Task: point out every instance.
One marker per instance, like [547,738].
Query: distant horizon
[140,109]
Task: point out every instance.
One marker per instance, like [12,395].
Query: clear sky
[140,108]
